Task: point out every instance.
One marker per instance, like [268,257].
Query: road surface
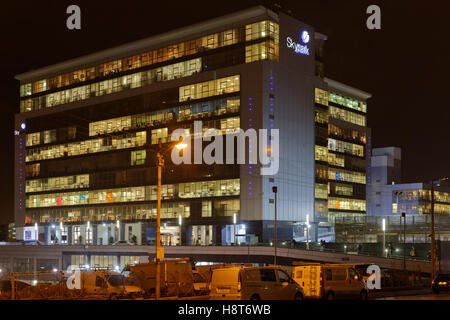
[441,296]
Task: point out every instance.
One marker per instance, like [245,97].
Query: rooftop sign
[298,47]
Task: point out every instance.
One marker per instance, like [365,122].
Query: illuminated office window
[336,160]
[346,204]
[57,183]
[138,157]
[345,175]
[320,191]
[261,51]
[321,96]
[129,140]
[348,102]
[140,79]
[262,29]
[345,147]
[348,116]
[200,189]
[162,134]
[33,139]
[321,153]
[209,88]
[321,116]
[343,189]
[206,209]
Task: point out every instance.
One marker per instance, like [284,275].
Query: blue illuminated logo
[297,47]
[305,36]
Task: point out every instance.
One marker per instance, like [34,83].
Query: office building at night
[389,196]
[85,171]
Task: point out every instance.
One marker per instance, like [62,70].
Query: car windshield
[116,280]
[198,278]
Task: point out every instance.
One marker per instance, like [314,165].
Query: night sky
[405,65]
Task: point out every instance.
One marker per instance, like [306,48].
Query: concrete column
[69,235]
[94,233]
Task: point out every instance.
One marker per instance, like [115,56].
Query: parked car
[330,281]
[31,242]
[253,283]
[441,283]
[107,284]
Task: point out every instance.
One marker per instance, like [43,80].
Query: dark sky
[404,65]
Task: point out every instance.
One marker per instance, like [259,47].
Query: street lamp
[307,231]
[433,240]
[404,239]
[160,251]
[234,223]
[180,222]
[275,190]
[383,227]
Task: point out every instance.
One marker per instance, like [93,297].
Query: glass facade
[169,210]
[345,147]
[340,155]
[123,141]
[131,194]
[346,204]
[345,175]
[414,202]
[210,88]
[168,53]
[137,80]
[58,183]
[193,111]
[347,102]
[229,37]
[266,33]
[347,116]
[321,96]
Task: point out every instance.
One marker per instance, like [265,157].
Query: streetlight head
[181,146]
[274,189]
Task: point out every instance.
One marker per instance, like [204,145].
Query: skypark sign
[298,47]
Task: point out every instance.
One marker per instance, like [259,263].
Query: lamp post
[234,223]
[307,232]
[180,222]
[160,251]
[275,190]
[404,239]
[433,240]
[88,238]
[383,227]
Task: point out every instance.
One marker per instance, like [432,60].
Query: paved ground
[430,296]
